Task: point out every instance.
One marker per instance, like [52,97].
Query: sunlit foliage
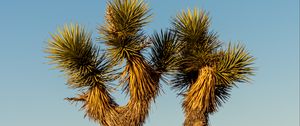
[204,72]
[207,72]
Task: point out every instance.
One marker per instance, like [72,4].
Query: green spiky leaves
[190,25]
[122,32]
[125,17]
[75,54]
[200,43]
[165,51]
[234,65]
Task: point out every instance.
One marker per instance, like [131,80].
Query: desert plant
[204,72]
[91,70]
[207,72]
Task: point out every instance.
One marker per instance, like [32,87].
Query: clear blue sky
[31,94]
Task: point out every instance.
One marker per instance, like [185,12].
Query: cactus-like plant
[204,73]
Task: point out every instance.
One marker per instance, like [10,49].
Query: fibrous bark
[200,99]
[142,85]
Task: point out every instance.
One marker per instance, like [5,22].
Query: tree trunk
[200,99]
[142,84]
[196,119]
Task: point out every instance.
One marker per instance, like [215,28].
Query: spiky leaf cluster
[234,65]
[71,48]
[122,32]
[165,51]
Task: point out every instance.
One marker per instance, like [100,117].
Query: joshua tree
[204,73]
[207,73]
[74,52]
